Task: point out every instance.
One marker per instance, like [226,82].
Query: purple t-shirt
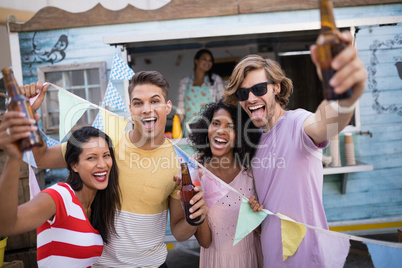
[288,177]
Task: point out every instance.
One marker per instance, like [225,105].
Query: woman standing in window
[199,88]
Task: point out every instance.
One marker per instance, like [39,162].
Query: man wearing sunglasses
[287,166]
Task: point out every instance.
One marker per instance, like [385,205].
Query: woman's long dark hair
[107,202]
[247,135]
[198,56]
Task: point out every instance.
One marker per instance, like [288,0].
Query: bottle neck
[327,16]
[10,83]
[185,175]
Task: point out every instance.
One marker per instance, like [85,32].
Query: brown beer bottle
[187,192]
[329,45]
[19,103]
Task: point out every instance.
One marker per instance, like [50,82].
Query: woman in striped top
[73,218]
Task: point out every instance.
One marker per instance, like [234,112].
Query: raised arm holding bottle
[19,103]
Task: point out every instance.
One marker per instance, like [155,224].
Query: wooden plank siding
[377,193]
[50,18]
[256,6]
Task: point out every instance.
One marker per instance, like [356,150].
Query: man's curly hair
[247,135]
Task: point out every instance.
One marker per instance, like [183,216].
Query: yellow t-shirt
[146,176]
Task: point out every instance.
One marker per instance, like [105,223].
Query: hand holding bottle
[15,126]
[194,205]
[338,66]
[19,103]
[350,71]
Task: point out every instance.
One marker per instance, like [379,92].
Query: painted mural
[43,52]
[372,70]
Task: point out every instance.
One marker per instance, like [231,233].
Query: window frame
[43,70]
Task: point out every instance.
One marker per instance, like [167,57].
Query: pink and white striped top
[69,240]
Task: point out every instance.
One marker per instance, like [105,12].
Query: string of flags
[334,245]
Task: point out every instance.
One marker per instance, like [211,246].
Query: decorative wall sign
[46,51]
[372,70]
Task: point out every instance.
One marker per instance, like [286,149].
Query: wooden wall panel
[377,193]
[51,18]
[257,6]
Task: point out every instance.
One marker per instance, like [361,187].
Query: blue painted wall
[377,193]
[45,48]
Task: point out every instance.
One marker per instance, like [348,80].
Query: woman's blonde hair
[273,72]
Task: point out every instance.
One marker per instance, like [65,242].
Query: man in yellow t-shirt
[147,163]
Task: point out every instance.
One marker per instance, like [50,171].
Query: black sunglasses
[258,90]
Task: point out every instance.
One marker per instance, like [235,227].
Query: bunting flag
[213,189]
[334,247]
[98,122]
[113,98]
[51,142]
[247,220]
[292,235]
[113,125]
[70,112]
[193,168]
[334,252]
[48,140]
[33,183]
[385,256]
[120,70]
[29,158]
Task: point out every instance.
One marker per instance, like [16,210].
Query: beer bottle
[187,192]
[329,45]
[19,103]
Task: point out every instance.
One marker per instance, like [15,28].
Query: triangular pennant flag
[292,235]
[183,157]
[33,183]
[29,158]
[48,140]
[113,125]
[120,69]
[385,257]
[213,189]
[334,248]
[98,122]
[192,166]
[113,98]
[51,142]
[71,109]
[247,221]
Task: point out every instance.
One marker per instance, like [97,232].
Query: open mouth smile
[149,123]
[219,142]
[100,176]
[257,111]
